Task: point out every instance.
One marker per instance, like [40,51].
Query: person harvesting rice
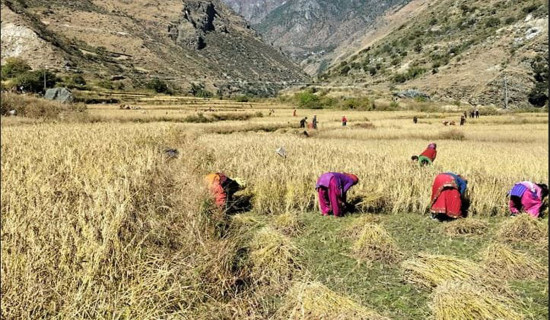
[527,196]
[332,188]
[222,188]
[448,192]
[427,156]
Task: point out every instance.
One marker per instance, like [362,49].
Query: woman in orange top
[222,189]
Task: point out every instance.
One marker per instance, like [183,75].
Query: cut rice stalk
[314,301]
[353,231]
[428,270]
[506,263]
[468,226]
[463,300]
[375,244]
[523,228]
[273,259]
[288,223]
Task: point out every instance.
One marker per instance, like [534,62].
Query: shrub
[158,86]
[492,22]
[105,84]
[33,81]
[307,99]
[242,98]
[14,67]
[75,81]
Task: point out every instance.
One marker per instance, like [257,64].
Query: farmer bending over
[427,157]
[332,188]
[222,188]
[448,192]
[527,196]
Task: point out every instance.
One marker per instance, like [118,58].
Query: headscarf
[344,180]
[432,146]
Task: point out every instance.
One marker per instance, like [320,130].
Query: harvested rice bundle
[464,300]
[523,228]
[504,262]
[375,244]
[314,301]
[356,227]
[273,259]
[429,270]
[468,226]
[288,223]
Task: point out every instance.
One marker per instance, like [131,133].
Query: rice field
[97,222]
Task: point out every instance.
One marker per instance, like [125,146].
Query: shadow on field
[240,204]
[359,204]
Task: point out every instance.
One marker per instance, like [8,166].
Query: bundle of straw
[375,244]
[468,226]
[428,270]
[506,263]
[273,259]
[523,228]
[353,231]
[454,300]
[314,301]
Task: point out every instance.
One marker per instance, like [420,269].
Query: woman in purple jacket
[331,188]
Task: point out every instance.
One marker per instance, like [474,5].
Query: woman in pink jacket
[527,196]
[332,188]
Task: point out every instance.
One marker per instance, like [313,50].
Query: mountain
[313,32]
[471,51]
[254,11]
[183,41]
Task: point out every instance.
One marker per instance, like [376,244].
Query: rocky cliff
[185,42]
[468,51]
[254,11]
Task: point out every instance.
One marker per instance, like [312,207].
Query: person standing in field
[477,113]
[427,157]
[314,121]
[415,119]
[528,197]
[447,199]
[344,121]
[294,113]
[332,188]
[222,188]
[462,120]
[303,122]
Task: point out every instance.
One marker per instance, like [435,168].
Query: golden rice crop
[523,228]
[314,301]
[375,244]
[467,226]
[463,300]
[429,270]
[273,259]
[503,262]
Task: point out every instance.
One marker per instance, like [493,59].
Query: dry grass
[375,244]
[273,259]
[314,301]
[97,224]
[465,227]
[288,223]
[453,300]
[504,262]
[429,270]
[33,107]
[523,228]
